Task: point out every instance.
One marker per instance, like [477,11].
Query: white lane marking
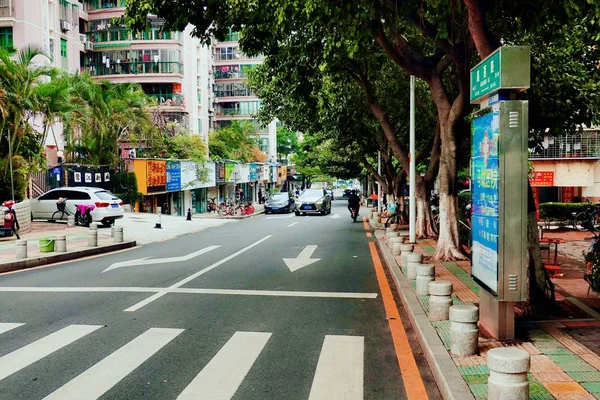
[282,217]
[292,224]
[5,327]
[303,259]
[279,293]
[224,374]
[98,379]
[339,373]
[335,216]
[182,282]
[268,293]
[146,261]
[21,358]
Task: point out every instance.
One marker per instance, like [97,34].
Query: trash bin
[46,245]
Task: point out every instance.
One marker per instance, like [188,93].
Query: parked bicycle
[397,217]
[588,219]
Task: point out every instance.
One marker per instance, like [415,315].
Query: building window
[6,38]
[63,48]
[199,125]
[51,47]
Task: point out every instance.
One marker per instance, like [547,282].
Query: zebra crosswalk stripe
[339,373]
[98,379]
[223,375]
[27,355]
[5,327]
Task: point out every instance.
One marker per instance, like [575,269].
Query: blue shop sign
[173,176]
[254,172]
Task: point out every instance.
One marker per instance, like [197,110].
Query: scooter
[10,224]
[354,213]
[212,205]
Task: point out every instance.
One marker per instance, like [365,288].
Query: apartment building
[55,25]
[171,67]
[233,100]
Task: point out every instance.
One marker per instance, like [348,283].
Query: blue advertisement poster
[485,198]
[173,176]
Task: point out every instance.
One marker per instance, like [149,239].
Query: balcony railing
[231,111]
[169,100]
[7,9]
[580,146]
[234,93]
[91,5]
[132,68]
[232,37]
[125,35]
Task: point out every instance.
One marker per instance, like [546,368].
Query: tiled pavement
[561,367]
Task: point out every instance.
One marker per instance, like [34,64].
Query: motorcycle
[212,205]
[354,213]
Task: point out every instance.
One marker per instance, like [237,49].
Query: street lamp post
[412,210]
[10,164]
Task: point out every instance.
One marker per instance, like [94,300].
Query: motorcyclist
[353,202]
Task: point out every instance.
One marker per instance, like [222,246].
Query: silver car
[313,201]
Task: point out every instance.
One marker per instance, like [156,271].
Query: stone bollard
[425,274]
[388,230]
[405,250]
[392,240]
[412,261]
[394,227]
[21,249]
[71,221]
[508,373]
[463,330]
[440,300]
[404,237]
[396,248]
[118,234]
[92,237]
[391,234]
[93,226]
[60,242]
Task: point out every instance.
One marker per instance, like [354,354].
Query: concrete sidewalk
[562,367]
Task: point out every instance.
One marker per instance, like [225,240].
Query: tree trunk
[448,245]
[424,227]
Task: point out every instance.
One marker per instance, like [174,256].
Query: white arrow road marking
[335,216]
[145,261]
[292,224]
[302,260]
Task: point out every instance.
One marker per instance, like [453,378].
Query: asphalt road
[221,316]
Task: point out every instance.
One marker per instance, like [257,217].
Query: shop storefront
[174,198]
[151,178]
[195,183]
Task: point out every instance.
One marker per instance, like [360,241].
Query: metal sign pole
[412,209]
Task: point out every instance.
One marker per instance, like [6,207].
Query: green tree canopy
[239,142]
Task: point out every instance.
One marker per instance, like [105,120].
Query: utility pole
[412,209]
[379,184]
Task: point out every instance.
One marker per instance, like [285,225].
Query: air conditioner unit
[65,25]
[89,46]
[82,38]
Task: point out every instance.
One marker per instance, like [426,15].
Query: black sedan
[279,202]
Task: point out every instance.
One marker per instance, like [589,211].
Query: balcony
[231,37]
[235,93]
[134,68]
[7,9]
[93,5]
[580,146]
[168,100]
[125,35]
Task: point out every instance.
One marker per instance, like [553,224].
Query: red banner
[542,178]
[567,194]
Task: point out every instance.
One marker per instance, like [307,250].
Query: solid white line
[21,358]
[339,373]
[162,291]
[292,224]
[5,327]
[98,379]
[182,282]
[278,293]
[224,374]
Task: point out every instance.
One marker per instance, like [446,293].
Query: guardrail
[581,146]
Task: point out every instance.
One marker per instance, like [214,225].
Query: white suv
[107,206]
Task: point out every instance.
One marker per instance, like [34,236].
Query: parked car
[313,201]
[107,206]
[347,193]
[280,202]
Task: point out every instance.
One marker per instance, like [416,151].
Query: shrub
[560,211]
[125,187]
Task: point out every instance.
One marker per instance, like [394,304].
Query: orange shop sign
[542,178]
[156,176]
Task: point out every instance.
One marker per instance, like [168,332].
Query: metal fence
[580,146]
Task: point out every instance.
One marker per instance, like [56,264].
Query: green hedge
[561,211]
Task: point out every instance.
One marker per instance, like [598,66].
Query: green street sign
[506,68]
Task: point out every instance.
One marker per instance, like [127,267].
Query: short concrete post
[60,242]
[405,249]
[396,248]
[21,247]
[93,226]
[412,260]
[463,330]
[392,234]
[394,239]
[71,221]
[440,300]
[394,226]
[425,274]
[508,373]
[388,230]
[404,237]
[92,237]
[118,236]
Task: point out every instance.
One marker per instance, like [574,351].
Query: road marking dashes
[224,374]
[98,379]
[7,327]
[21,358]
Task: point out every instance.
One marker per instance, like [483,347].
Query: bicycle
[397,217]
[61,207]
[588,219]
